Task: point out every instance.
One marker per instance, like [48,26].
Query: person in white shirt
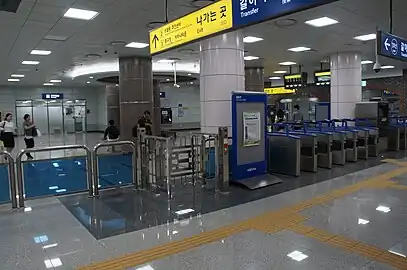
[7,129]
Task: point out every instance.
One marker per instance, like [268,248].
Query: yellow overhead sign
[209,20]
[295,76]
[278,91]
[324,73]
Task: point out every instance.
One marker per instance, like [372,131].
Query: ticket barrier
[323,146]
[397,132]
[352,137]
[373,136]
[338,141]
[284,153]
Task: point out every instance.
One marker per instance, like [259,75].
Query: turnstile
[284,154]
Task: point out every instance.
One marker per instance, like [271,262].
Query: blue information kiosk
[249,140]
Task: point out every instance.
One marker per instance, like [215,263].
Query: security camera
[177,85]
[377,67]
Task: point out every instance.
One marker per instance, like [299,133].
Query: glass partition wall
[53,117]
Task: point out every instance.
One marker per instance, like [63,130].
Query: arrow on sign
[387,44]
[155,39]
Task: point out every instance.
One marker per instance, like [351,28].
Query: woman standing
[29,134]
[7,129]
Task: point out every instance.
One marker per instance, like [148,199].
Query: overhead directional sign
[278,91]
[391,46]
[204,22]
[246,12]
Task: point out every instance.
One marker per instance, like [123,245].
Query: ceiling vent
[285,22]
[9,5]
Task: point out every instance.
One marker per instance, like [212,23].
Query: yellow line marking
[395,161]
[352,246]
[269,222]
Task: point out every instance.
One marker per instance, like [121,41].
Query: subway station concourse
[203,134]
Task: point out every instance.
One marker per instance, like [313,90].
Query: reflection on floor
[355,220]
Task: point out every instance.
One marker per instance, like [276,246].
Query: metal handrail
[11,178]
[20,183]
[95,180]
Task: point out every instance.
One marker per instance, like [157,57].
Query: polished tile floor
[356,220]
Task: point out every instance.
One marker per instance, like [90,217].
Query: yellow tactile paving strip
[271,222]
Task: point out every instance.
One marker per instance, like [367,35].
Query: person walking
[7,129]
[112,134]
[29,133]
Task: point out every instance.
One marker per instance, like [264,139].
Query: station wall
[95,98]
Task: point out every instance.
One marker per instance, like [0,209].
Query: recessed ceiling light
[27,209]
[299,49]
[13,80]
[362,221]
[275,78]
[167,80]
[250,39]
[48,84]
[166,61]
[40,52]
[185,211]
[137,45]
[91,77]
[30,62]
[249,58]
[320,22]
[383,209]
[146,267]
[81,14]
[53,263]
[366,37]
[88,82]
[280,72]
[288,63]
[17,75]
[189,74]
[366,62]
[55,81]
[387,67]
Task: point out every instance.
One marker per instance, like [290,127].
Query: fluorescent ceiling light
[366,37]
[17,75]
[81,14]
[13,80]
[90,77]
[137,45]
[320,22]
[40,239]
[299,49]
[27,209]
[288,63]
[383,209]
[366,62]
[55,81]
[280,72]
[189,74]
[362,221]
[250,39]
[40,52]
[275,78]
[249,58]
[30,62]
[48,84]
[50,246]
[88,82]
[165,61]
[185,211]
[297,256]
[387,67]
[167,80]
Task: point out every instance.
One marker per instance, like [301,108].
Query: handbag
[2,131]
[34,132]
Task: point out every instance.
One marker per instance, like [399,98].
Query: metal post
[145,162]
[20,185]
[168,166]
[223,162]
[95,170]
[11,178]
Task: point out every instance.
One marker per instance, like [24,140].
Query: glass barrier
[115,170]
[54,176]
[4,184]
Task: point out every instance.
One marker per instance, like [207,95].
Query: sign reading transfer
[204,22]
[246,12]
[391,46]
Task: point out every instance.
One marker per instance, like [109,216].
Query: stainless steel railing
[95,163]
[11,178]
[19,167]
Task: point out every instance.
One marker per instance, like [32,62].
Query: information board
[294,81]
[322,78]
[206,21]
[392,46]
[246,12]
[251,129]
[50,96]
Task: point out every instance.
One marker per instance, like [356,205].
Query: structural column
[136,92]
[346,84]
[113,104]
[254,79]
[156,108]
[221,73]
[403,94]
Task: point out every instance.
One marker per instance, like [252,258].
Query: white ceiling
[126,20]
